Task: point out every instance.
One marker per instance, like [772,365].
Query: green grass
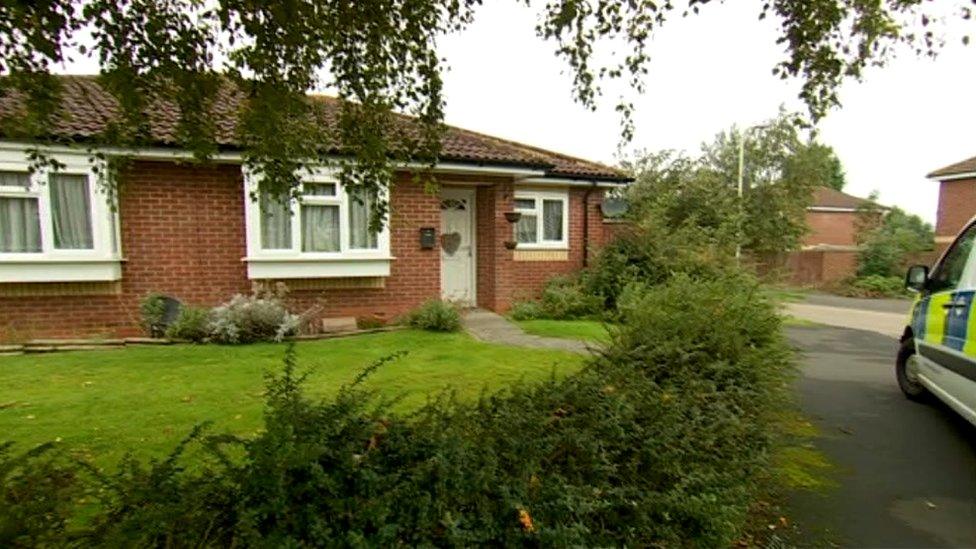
[785,295]
[145,399]
[586,330]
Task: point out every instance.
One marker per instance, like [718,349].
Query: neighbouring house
[833,219]
[829,251]
[73,265]
[957,200]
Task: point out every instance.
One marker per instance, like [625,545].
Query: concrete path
[889,324]
[882,305]
[905,472]
[493,328]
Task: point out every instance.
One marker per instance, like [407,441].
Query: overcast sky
[709,72]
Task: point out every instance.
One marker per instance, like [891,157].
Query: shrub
[886,246]
[436,316]
[565,298]
[38,489]
[192,324]
[246,319]
[152,313]
[875,286]
[652,257]
[526,310]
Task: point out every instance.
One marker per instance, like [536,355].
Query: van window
[949,272]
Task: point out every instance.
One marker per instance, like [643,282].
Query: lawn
[145,399]
[587,330]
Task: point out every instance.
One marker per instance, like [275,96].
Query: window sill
[542,247]
[57,269]
[260,268]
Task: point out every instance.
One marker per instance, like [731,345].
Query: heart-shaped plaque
[450,242]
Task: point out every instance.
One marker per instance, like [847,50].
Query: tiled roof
[87,109]
[965,166]
[825,197]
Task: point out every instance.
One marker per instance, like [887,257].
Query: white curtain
[275,223]
[359,234]
[552,220]
[71,212]
[526,229]
[320,228]
[20,225]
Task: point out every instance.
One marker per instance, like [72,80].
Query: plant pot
[511,244]
[513,217]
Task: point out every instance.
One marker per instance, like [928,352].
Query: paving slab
[494,328]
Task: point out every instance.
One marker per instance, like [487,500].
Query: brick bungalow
[957,200]
[71,265]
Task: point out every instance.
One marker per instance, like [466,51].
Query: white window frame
[538,196]
[293,262]
[100,263]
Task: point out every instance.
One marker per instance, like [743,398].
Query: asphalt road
[905,472]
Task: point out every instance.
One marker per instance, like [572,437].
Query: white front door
[457,245]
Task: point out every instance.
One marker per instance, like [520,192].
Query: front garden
[102,404]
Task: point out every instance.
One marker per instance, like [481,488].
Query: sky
[707,73]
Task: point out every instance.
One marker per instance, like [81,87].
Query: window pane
[552,220]
[20,225]
[320,228]
[71,212]
[525,229]
[14,179]
[360,236]
[524,203]
[949,272]
[320,189]
[275,223]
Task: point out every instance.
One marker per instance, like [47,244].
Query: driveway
[905,472]
[884,316]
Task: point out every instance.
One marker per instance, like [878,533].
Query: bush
[38,489]
[875,286]
[565,298]
[246,319]
[649,256]
[436,316]
[662,440]
[192,324]
[152,313]
[526,310]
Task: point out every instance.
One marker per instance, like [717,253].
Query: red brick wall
[957,205]
[183,235]
[835,228]
[516,280]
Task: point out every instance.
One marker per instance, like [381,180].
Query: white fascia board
[163,153]
[565,182]
[831,209]
[965,175]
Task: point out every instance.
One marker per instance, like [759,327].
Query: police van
[938,348]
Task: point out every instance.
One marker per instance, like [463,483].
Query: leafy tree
[780,171]
[825,161]
[381,57]
[888,239]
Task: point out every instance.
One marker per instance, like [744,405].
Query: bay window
[543,223]
[323,233]
[55,225]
